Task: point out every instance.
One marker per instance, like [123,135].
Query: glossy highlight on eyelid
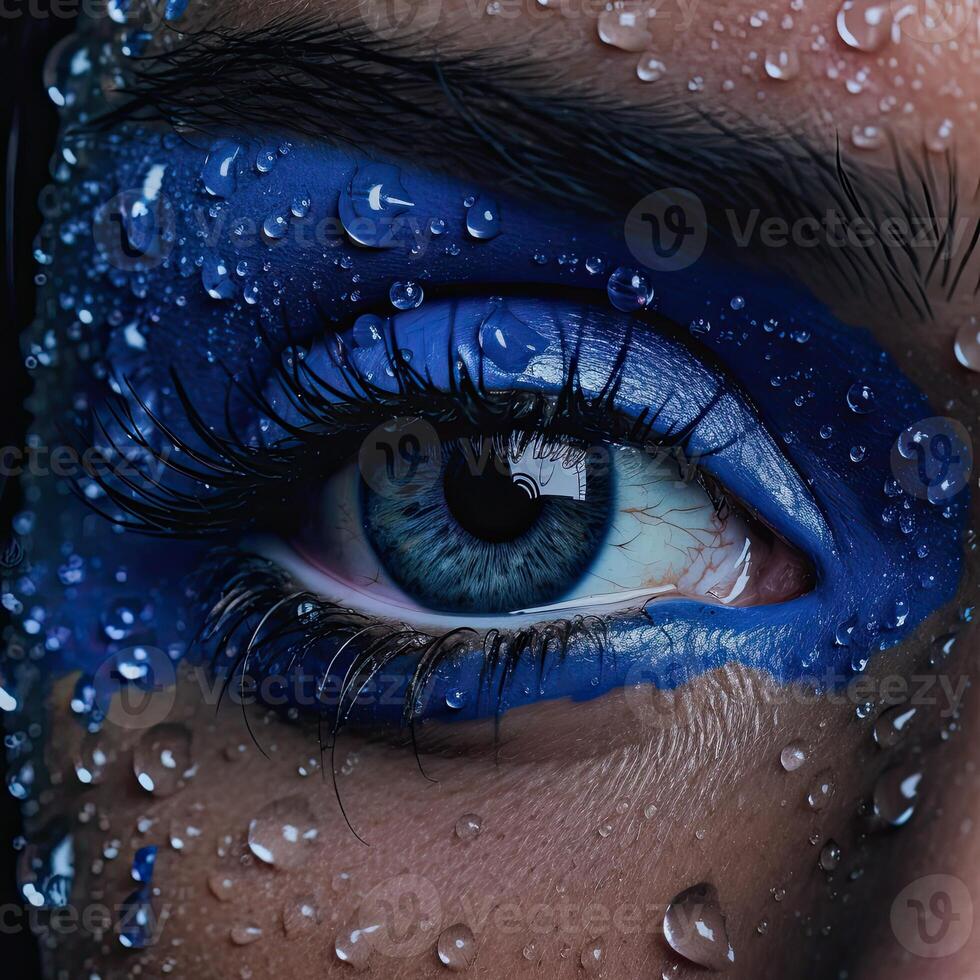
[759,391]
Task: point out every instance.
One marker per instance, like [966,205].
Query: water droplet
[793,756]
[899,614]
[891,726]
[144,861]
[275,226]
[483,219]
[763,927]
[220,168]
[469,826]
[938,135]
[591,957]
[300,917]
[216,278]
[406,295]
[625,28]
[353,946]
[695,928]
[896,793]
[864,24]
[821,791]
[700,327]
[629,289]
[300,207]
[857,453]
[244,935]
[966,346]
[371,204]
[782,64]
[136,920]
[830,856]
[368,330]
[46,869]
[867,137]
[183,835]
[944,644]
[826,431]
[91,760]
[457,700]
[737,302]
[456,947]
[650,68]
[162,760]
[508,341]
[174,9]
[265,159]
[860,398]
[844,631]
[221,885]
[284,832]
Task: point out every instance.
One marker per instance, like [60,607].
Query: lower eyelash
[261,621]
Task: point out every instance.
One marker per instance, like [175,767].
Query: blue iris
[474,540]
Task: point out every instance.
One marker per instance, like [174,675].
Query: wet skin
[598,803]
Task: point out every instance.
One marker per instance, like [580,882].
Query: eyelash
[254,588]
[233,481]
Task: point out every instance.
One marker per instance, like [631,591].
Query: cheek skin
[575,843]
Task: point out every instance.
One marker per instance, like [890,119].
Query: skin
[706,757]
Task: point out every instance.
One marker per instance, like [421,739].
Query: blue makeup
[209,262]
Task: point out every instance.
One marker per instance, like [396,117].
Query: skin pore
[593,815]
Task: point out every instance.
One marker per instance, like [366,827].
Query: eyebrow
[497,115]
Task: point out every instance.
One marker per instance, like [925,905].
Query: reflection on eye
[521,525]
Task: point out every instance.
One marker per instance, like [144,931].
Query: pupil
[487,503]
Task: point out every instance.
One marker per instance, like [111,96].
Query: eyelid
[721,430]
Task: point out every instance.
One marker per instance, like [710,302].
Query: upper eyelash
[228,474]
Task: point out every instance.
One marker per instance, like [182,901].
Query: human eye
[384,471]
[527,501]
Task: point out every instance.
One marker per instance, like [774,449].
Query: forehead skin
[725,811]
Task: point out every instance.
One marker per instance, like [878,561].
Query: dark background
[27,127]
